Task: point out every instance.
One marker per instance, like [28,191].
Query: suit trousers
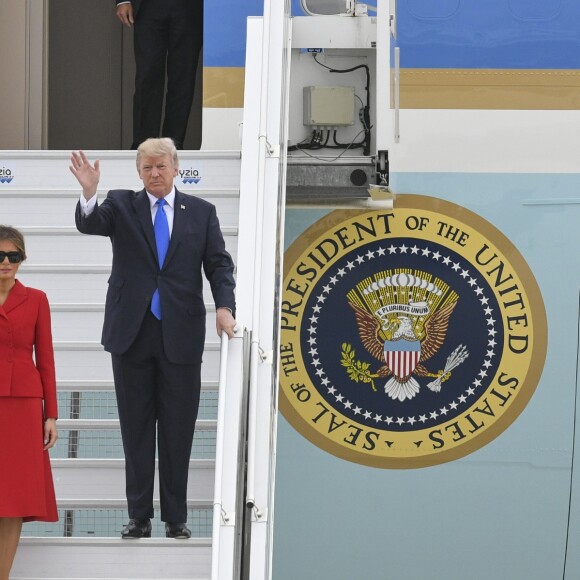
[168,38]
[155,396]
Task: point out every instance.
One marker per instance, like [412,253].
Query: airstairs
[88,464]
[231,483]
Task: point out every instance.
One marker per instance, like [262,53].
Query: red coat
[24,325]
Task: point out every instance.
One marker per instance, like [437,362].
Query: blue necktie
[161,228]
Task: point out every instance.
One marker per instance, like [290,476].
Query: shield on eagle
[402,356]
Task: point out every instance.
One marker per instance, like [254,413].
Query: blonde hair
[155,147]
[10,234]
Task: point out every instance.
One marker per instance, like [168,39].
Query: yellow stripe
[223,87]
[490,89]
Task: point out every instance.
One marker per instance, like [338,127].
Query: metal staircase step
[67,282]
[43,246]
[83,322]
[109,558]
[41,208]
[95,364]
[78,479]
[108,385]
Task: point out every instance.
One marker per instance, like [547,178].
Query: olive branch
[357,370]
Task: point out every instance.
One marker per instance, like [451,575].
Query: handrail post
[219,455]
[230,451]
[260,190]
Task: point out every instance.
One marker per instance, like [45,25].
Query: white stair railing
[261,223]
[229,459]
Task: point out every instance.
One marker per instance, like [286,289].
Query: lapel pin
[182,206]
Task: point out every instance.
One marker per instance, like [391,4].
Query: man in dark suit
[168,37]
[154,324]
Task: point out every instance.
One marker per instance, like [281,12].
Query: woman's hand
[50,433]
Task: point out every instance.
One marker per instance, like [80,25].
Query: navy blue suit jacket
[196,243]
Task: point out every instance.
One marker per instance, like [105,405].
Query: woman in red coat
[28,407]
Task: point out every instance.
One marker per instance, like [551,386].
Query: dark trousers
[168,38]
[156,397]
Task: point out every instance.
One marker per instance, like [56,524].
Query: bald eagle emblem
[402,318]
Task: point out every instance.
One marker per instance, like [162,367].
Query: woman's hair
[156,148]
[10,234]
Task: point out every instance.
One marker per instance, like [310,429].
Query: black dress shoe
[137,528]
[179,531]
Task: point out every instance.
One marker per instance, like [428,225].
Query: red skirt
[26,487]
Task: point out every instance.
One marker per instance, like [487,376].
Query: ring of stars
[423,419]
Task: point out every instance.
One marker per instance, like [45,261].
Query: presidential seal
[409,337]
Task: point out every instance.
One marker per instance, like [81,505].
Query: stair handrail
[225,560]
[264,149]
[219,454]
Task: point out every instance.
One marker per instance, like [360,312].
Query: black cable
[345,149]
[315,142]
[303,144]
[366,121]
